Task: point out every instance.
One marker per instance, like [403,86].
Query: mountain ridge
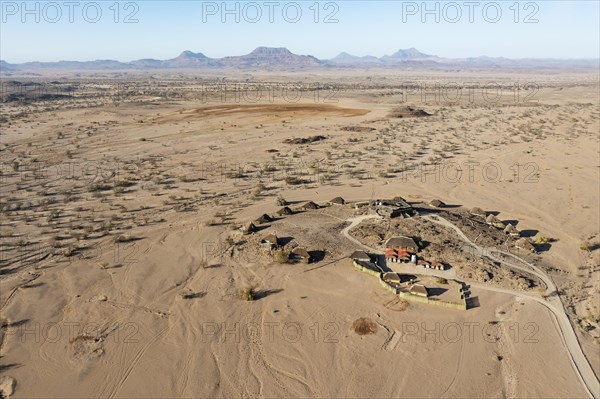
[282,58]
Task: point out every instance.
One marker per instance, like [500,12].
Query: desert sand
[123,264]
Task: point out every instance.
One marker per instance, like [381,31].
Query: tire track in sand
[115,389]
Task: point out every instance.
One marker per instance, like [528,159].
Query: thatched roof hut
[310,205]
[248,228]
[302,254]
[524,243]
[405,243]
[360,255]
[337,201]
[284,211]
[390,277]
[436,203]
[492,219]
[512,230]
[477,211]
[418,289]
[264,219]
[271,240]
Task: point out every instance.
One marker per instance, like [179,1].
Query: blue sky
[556,29]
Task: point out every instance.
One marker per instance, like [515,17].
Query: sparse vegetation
[211,222]
[281,256]
[280,201]
[248,294]
[132,187]
[585,246]
[293,181]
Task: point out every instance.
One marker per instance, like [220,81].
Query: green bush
[585,246]
[281,256]
[248,294]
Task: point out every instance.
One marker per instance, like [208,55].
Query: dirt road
[551,300]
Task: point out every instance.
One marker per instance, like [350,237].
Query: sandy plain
[120,218]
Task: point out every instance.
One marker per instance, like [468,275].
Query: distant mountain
[66,65]
[344,58]
[271,57]
[410,54]
[402,58]
[147,63]
[282,58]
[5,66]
[188,59]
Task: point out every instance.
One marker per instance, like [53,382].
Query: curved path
[551,301]
[355,222]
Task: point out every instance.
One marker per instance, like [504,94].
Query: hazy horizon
[196,51]
[52,31]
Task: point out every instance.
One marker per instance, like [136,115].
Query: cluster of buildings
[404,250]
[398,250]
[396,207]
[493,220]
[410,287]
[407,282]
[271,241]
[509,229]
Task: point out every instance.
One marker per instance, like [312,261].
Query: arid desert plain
[147,250]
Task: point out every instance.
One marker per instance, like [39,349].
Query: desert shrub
[280,201]
[293,181]
[281,256]
[70,251]
[442,281]
[98,187]
[124,238]
[248,294]
[585,246]
[124,183]
[77,235]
